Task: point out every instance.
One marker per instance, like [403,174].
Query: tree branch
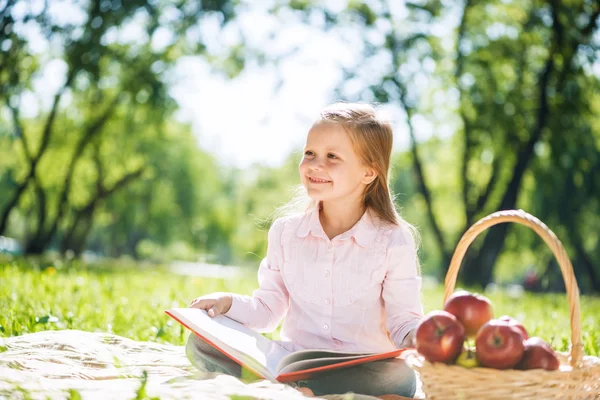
[395,48]
[94,129]
[496,166]
[489,188]
[467,142]
[87,211]
[52,116]
[419,171]
[19,133]
[494,240]
[99,168]
[34,160]
[124,181]
[41,205]
[524,155]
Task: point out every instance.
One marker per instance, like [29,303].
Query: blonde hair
[372,139]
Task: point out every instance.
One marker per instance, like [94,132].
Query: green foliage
[301,5]
[514,83]
[114,127]
[363,10]
[259,192]
[172,207]
[130,300]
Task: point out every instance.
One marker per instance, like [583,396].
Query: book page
[309,354]
[306,364]
[310,363]
[243,343]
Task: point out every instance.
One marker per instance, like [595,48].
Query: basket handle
[523,218]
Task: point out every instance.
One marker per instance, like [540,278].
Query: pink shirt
[357,292]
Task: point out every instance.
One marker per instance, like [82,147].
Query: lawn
[130,302]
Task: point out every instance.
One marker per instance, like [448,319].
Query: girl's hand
[215,303]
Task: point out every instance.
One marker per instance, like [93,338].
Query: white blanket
[105,366]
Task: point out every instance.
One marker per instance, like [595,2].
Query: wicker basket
[578,376]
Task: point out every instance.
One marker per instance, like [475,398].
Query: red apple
[471,309]
[516,323]
[440,337]
[499,345]
[538,354]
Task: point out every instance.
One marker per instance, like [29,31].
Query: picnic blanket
[50,364]
[105,366]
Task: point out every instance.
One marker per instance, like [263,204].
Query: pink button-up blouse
[359,291]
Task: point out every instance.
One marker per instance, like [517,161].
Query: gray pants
[377,378]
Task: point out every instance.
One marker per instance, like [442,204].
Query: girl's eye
[308,153]
[331,155]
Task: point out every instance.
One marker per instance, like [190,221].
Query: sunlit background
[165,131]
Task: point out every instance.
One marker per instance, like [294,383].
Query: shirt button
[327,301]
[325,326]
[327,273]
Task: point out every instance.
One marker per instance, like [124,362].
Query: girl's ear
[369,175]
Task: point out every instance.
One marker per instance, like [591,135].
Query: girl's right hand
[215,303]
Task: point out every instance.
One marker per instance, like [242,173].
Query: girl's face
[330,169]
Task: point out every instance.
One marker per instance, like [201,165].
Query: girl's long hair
[372,138]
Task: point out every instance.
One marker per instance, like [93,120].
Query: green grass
[130,301]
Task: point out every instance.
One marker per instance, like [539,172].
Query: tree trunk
[587,263]
[79,230]
[38,240]
[11,204]
[426,193]
[45,141]
[467,143]
[35,246]
[473,211]
[78,233]
[93,130]
[78,245]
[71,233]
[478,270]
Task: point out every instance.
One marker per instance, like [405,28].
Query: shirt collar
[363,232]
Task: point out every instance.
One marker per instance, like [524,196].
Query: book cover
[266,358]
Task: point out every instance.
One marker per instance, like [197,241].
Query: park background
[139,136]
[166,130]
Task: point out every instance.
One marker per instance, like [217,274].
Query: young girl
[344,273]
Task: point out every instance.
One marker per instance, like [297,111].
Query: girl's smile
[317,180]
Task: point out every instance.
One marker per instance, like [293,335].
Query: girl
[345,272]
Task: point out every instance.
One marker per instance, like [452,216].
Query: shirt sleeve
[270,302]
[402,286]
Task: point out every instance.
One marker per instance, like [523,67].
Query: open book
[264,357]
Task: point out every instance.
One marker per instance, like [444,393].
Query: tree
[513,67]
[176,201]
[102,75]
[543,55]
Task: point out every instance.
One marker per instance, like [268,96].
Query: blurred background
[168,131]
